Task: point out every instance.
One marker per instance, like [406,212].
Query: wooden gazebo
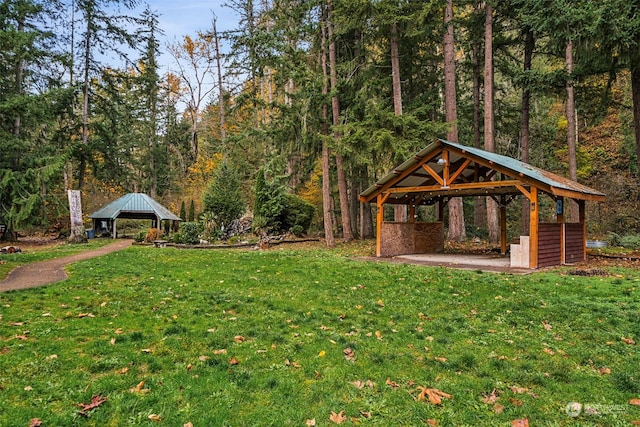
[445,169]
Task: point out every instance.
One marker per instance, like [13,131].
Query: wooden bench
[160,243]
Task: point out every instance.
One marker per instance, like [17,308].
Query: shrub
[190,233]
[153,234]
[276,211]
[297,215]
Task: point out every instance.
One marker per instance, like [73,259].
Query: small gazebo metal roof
[135,206]
[132,206]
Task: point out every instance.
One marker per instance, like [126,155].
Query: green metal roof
[134,205]
[411,174]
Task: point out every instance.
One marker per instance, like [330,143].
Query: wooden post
[533,228]
[379,220]
[441,210]
[503,225]
[563,228]
[412,211]
[582,218]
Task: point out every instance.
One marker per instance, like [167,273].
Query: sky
[186,17]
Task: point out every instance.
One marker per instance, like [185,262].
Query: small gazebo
[131,206]
[446,169]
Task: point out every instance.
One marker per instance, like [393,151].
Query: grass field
[307,336]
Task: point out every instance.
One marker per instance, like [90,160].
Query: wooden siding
[549,241]
[574,243]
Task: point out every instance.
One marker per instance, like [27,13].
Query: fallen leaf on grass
[310,423]
[604,371]
[380,303]
[434,395]
[379,335]
[362,384]
[338,418]
[349,354]
[547,326]
[635,423]
[523,422]
[634,402]
[441,359]
[364,414]
[96,401]
[492,398]
[81,315]
[498,409]
[189,424]
[392,384]
[35,422]
[432,422]
[519,390]
[629,341]
[549,351]
[139,388]
[294,363]
[234,361]
[239,338]
[516,402]
[154,417]
[221,351]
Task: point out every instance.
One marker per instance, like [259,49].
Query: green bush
[275,211]
[297,214]
[223,197]
[190,232]
[630,241]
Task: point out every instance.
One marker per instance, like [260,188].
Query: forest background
[317,98]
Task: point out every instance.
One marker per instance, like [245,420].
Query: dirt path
[51,271]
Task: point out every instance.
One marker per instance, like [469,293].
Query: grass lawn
[308,336]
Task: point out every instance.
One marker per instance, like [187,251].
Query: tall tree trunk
[571,128]
[223,131]
[326,164]
[399,211]
[456,212]
[529,45]
[85,102]
[635,93]
[17,122]
[395,71]
[479,204]
[347,233]
[489,136]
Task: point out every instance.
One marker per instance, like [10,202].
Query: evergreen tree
[183,212]
[31,103]
[223,198]
[192,211]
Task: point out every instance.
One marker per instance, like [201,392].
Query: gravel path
[51,271]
